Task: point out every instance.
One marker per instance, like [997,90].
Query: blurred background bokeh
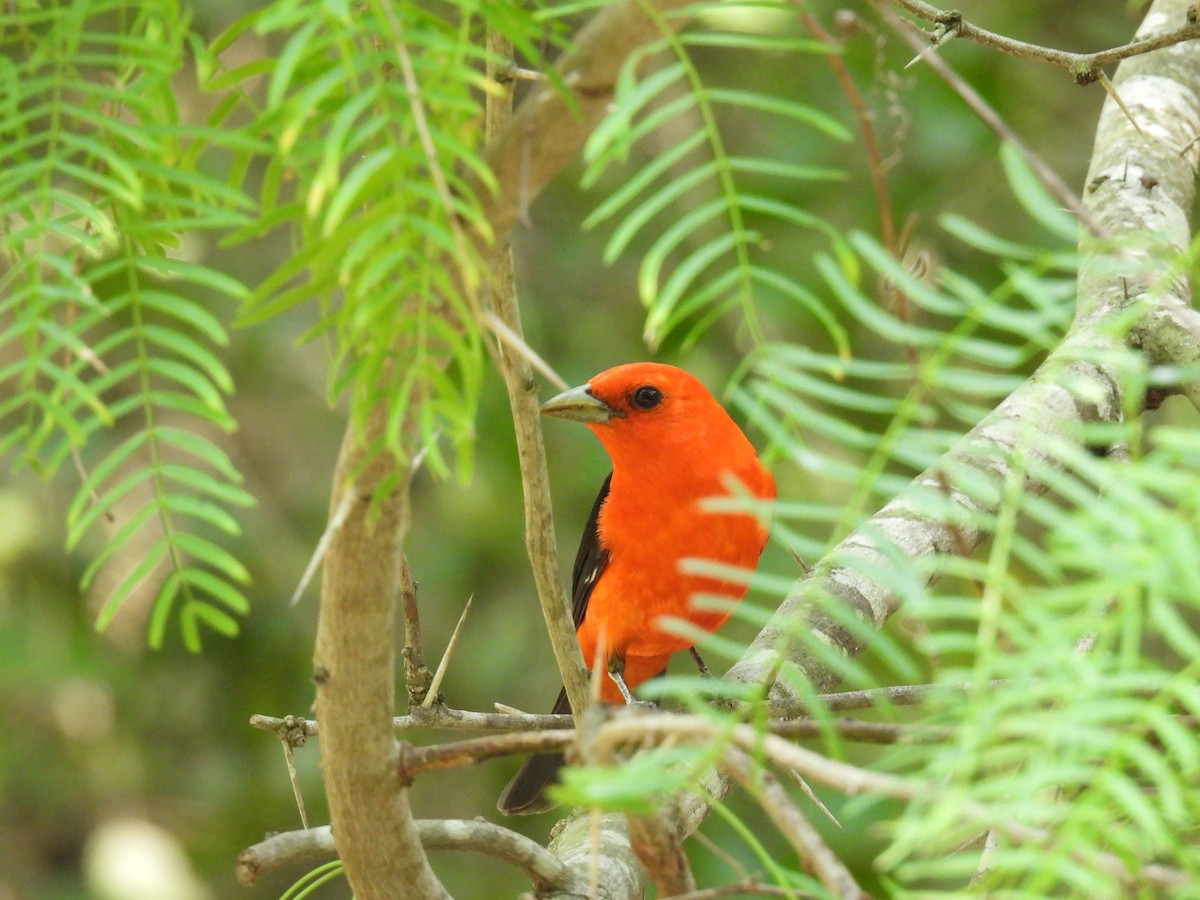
[129,774]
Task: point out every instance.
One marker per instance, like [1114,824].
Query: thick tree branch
[354,666]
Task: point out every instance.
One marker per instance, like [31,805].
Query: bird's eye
[647,397]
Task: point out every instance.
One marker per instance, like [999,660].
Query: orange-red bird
[672,448]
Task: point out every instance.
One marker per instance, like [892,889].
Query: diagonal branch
[531,449]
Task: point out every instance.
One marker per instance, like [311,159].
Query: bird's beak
[579,405]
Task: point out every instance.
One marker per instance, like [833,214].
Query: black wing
[526,792]
[589,561]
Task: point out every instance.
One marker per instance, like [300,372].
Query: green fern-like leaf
[709,259]
[118,363]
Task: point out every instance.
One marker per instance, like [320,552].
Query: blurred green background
[126,773]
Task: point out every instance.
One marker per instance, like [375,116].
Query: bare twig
[335,523]
[815,855]
[413,760]
[1084,67]
[294,778]
[1045,174]
[514,362]
[436,683]
[806,789]
[1116,98]
[292,847]
[514,341]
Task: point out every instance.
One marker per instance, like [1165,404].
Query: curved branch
[291,847]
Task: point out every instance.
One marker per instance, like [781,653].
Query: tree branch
[660,851]
[522,390]
[1084,67]
[354,667]
[291,847]
[813,852]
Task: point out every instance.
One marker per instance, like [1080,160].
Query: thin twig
[436,683]
[514,359]
[336,521]
[1116,98]
[816,801]
[412,760]
[1044,173]
[441,716]
[815,855]
[294,778]
[1084,67]
[728,858]
[518,344]
[785,717]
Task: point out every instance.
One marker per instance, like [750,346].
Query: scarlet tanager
[672,448]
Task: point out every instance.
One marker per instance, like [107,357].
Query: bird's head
[643,408]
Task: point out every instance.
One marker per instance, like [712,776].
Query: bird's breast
[647,539]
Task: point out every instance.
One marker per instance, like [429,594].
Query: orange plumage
[673,447]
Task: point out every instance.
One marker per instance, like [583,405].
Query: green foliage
[705,262]
[113,355]
[311,882]
[360,138]
[377,171]
[357,135]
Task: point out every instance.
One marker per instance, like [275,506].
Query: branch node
[1085,72]
[404,763]
[293,731]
